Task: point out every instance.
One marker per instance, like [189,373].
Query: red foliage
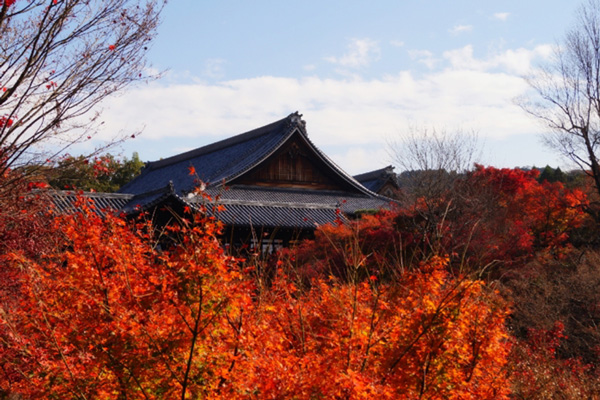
[538,373]
[5,122]
[25,217]
[496,216]
[426,336]
[104,315]
[507,215]
[95,311]
[25,227]
[373,241]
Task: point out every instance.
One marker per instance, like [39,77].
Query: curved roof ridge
[378,173]
[295,124]
[215,162]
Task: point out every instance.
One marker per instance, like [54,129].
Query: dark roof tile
[66,200]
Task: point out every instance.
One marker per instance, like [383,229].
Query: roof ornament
[171,187]
[296,119]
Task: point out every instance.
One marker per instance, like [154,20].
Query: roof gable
[296,164]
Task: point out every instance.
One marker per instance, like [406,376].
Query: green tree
[104,173]
[552,175]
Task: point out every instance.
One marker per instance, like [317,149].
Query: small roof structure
[382,181]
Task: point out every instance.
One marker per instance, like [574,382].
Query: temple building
[274,185]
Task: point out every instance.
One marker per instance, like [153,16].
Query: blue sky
[362,73]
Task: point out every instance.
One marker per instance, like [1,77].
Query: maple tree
[24,220]
[60,59]
[539,373]
[496,217]
[25,227]
[554,321]
[428,335]
[550,291]
[106,316]
[505,216]
[371,308]
[493,217]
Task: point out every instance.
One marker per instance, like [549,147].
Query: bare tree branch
[431,159]
[567,93]
[58,60]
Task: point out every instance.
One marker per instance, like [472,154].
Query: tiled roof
[375,180]
[287,207]
[66,200]
[147,200]
[242,205]
[289,216]
[219,164]
[348,203]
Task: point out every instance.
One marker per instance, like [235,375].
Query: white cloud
[338,111]
[424,57]
[457,29]
[361,53]
[463,59]
[350,119]
[517,61]
[502,16]
[213,68]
